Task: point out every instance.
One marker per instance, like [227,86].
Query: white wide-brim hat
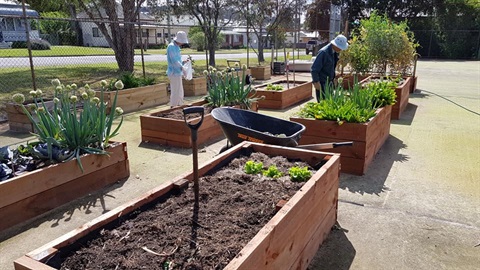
[181,37]
[341,42]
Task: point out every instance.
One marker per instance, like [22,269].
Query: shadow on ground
[407,116]
[373,182]
[336,252]
[65,212]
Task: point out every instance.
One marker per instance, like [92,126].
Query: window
[159,35]
[144,33]
[10,24]
[96,32]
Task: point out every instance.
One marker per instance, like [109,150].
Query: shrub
[131,81]
[36,44]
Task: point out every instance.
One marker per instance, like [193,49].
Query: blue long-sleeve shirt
[324,65]
[174,60]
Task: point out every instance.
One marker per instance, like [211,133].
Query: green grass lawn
[19,80]
[86,51]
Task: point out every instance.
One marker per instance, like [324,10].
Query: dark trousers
[320,92]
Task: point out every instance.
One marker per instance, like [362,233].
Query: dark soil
[178,113]
[234,206]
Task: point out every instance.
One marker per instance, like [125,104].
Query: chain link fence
[77,51]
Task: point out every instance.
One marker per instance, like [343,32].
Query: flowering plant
[229,87]
[77,124]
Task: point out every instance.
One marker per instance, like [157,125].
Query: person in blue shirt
[175,68]
[323,68]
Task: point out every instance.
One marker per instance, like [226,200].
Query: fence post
[29,46]
[140,36]
[430,43]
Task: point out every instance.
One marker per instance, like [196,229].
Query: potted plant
[167,127]
[282,93]
[197,86]
[73,151]
[138,93]
[257,235]
[358,115]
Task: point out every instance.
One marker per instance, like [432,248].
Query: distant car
[310,46]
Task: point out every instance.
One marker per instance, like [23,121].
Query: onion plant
[228,88]
[78,122]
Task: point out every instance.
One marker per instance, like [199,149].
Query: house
[12,23]
[154,32]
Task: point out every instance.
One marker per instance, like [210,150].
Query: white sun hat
[181,37]
[341,42]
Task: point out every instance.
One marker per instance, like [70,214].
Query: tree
[266,17]
[117,24]
[212,16]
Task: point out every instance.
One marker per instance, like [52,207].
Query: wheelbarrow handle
[190,110]
[321,146]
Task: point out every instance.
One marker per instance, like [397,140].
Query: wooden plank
[26,263]
[331,129]
[312,246]
[20,127]
[40,203]
[38,181]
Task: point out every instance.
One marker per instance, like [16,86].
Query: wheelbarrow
[241,125]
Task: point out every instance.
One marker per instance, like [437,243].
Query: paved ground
[417,207]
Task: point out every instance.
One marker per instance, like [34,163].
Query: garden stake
[194,128]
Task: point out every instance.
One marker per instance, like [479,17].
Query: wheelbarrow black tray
[242,125]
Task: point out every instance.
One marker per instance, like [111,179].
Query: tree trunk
[75,24]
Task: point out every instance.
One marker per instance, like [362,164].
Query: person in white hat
[175,68]
[323,68]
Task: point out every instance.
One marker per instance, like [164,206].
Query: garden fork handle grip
[190,110]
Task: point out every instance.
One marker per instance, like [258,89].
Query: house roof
[16,10]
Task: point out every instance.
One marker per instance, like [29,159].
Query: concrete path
[417,207]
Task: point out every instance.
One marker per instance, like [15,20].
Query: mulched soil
[178,113]
[234,206]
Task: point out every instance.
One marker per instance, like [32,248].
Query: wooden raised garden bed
[298,92]
[39,191]
[289,240]
[403,93]
[367,138]
[195,87]
[349,79]
[135,99]
[18,120]
[261,72]
[175,132]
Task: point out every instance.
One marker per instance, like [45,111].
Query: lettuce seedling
[252,167]
[272,172]
[298,174]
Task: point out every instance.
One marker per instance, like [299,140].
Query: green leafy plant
[252,167]
[353,106]
[299,174]
[229,88]
[274,87]
[272,172]
[78,121]
[130,80]
[382,91]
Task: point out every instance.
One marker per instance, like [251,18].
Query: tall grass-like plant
[229,88]
[77,124]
